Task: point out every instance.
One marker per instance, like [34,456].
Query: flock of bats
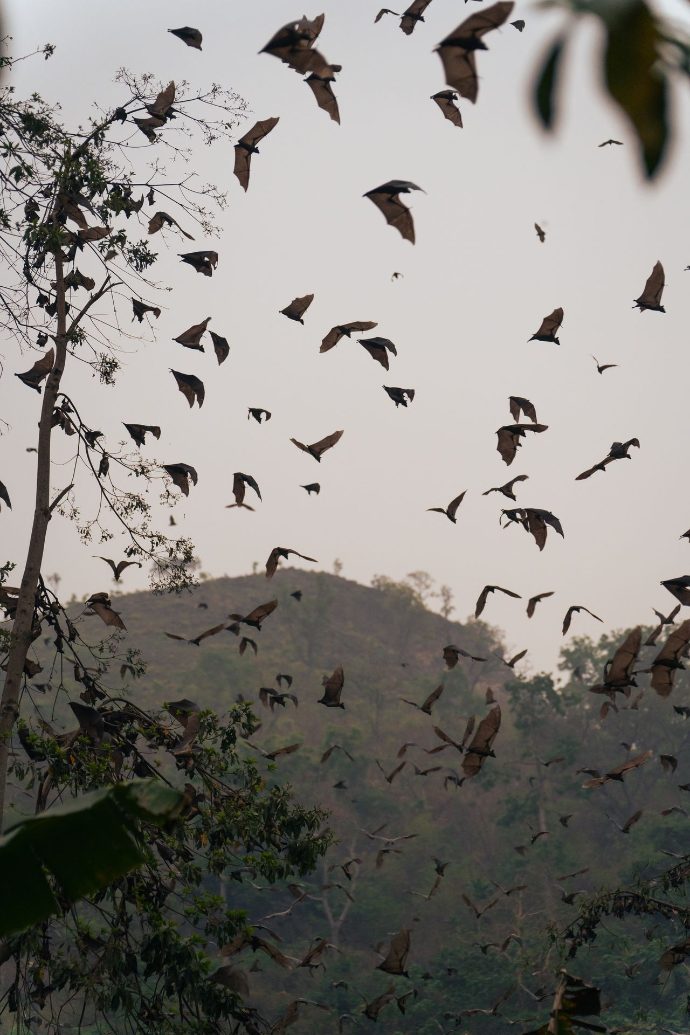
[294,45]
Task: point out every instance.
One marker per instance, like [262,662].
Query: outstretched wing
[323,444]
[323,93]
[395,213]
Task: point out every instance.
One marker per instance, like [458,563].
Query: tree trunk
[21,634]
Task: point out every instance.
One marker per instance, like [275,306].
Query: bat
[396,957]
[39,371]
[413,15]
[203,262]
[320,86]
[477,910]
[270,697]
[344,330]
[540,233]
[181,475]
[400,396]
[669,763]
[312,487]
[480,747]
[452,654]
[519,24]
[317,449]
[240,482]
[446,101]
[518,406]
[601,367]
[451,510]
[387,200]
[378,349]
[373,1008]
[535,521]
[549,326]
[533,601]
[4,495]
[509,438]
[100,605]
[653,290]
[571,611]
[609,142]
[430,701]
[510,663]
[160,219]
[385,10]
[668,660]
[118,568]
[679,588]
[618,451]
[191,387]
[329,751]
[220,347]
[457,50]
[245,642]
[192,37]
[191,338]
[140,309]
[392,775]
[297,595]
[333,688]
[625,829]
[258,414]
[246,147]
[163,103]
[202,636]
[283,552]
[507,489]
[663,620]
[484,596]
[294,46]
[297,308]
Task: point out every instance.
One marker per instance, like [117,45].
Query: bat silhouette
[191,387]
[387,200]
[100,605]
[653,290]
[203,262]
[457,50]
[668,660]
[601,367]
[669,763]
[625,829]
[258,414]
[312,487]
[257,615]
[480,746]
[618,451]
[619,771]
[378,349]
[373,1008]
[246,147]
[509,438]
[270,697]
[392,775]
[430,701]
[479,910]
[663,621]
[679,588]
[511,662]
[540,233]
[329,751]
[240,482]
[317,449]
[283,552]
[320,86]
[549,326]
[160,219]
[484,596]
[140,309]
[518,406]
[396,957]
[119,567]
[191,338]
[400,396]
[571,611]
[138,432]
[413,15]
[181,475]
[220,347]
[202,636]
[451,510]
[519,24]
[618,671]
[446,101]
[333,688]
[297,595]
[344,330]
[533,601]
[294,46]
[192,37]
[39,371]
[609,142]
[297,308]
[535,521]
[507,489]
[452,654]
[4,495]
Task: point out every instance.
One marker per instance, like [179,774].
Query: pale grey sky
[475,287]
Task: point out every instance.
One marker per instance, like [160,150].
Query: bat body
[610,141]
[246,147]
[540,233]
[653,290]
[387,200]
[457,50]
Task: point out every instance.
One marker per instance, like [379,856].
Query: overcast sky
[474,288]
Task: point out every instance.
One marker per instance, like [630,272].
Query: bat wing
[395,213]
[452,507]
[323,93]
[191,387]
[568,618]
[517,657]
[272,562]
[653,289]
[298,307]
[208,632]
[481,602]
[508,592]
[303,556]
[460,68]
[180,474]
[445,99]
[242,167]
[549,326]
[331,339]
[394,963]
[323,444]
[431,699]
[40,370]
[632,821]
[507,444]
[300,445]
[191,338]
[536,526]
[620,669]
[258,131]
[220,347]
[481,743]
[238,488]
[533,601]
[528,410]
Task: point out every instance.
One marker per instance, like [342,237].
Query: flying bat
[518,406]
[385,10]
[609,142]
[333,688]
[297,308]
[533,601]
[663,621]
[571,611]
[157,221]
[246,147]
[479,910]
[202,636]
[317,449]
[428,704]
[191,338]
[457,50]
[257,615]
[480,747]
[283,552]
[512,662]
[668,660]
[181,475]
[601,367]
[400,396]
[653,290]
[240,482]
[4,495]
[446,101]
[203,262]
[452,654]
[507,489]
[100,605]
[540,233]
[138,432]
[389,777]
[451,510]
[320,86]
[192,37]
[618,451]
[509,438]
[679,588]
[270,697]
[191,387]
[329,751]
[312,487]
[117,568]
[387,200]
[412,15]
[258,414]
[396,957]
[220,347]
[549,326]
[345,330]
[293,44]
[378,349]
[140,309]
[519,24]
[39,371]
[484,596]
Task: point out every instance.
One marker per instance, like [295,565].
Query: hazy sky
[474,288]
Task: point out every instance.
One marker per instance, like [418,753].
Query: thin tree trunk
[21,635]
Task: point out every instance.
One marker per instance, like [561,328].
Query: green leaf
[635,80]
[82,846]
[546,85]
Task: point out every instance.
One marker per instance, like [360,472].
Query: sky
[473,289]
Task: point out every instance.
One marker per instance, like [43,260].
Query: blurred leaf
[546,85]
[82,846]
